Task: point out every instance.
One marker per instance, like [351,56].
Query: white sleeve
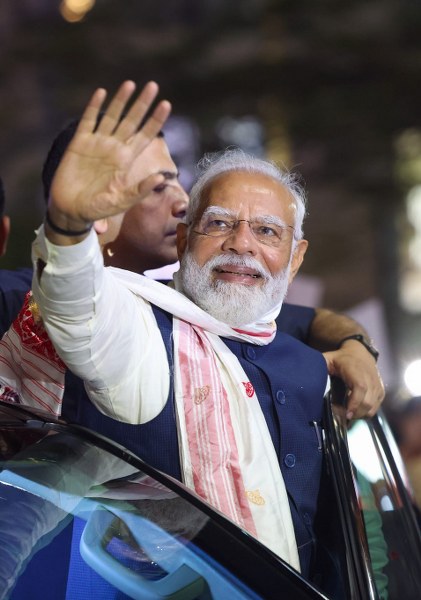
[103,332]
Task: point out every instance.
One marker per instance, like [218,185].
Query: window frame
[359,574]
[249,560]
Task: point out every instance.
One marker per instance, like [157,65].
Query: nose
[180,203]
[241,240]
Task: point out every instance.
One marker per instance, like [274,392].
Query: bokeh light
[412,377]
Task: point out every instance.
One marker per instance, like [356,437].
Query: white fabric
[253,492]
[109,336]
[36,379]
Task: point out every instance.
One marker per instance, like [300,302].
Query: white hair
[234,159]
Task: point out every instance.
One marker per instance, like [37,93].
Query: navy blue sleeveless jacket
[289,379]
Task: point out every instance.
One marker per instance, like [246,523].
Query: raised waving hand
[97,177]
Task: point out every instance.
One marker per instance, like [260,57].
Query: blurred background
[331,89]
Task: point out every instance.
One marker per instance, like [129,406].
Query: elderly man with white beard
[198,373]
[235,286]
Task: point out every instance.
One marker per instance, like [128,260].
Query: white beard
[233,303]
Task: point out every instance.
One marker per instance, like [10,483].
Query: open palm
[92,180]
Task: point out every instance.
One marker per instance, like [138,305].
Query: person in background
[13,283]
[407,428]
[143,239]
[198,375]
[4,222]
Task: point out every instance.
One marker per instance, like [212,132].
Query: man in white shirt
[144,238]
[243,239]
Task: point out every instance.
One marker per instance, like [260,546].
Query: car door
[80,517]
[376,509]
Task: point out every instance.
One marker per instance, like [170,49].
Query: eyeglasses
[263,230]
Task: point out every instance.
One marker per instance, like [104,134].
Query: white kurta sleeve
[103,332]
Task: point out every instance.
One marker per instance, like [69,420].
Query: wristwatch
[366,343]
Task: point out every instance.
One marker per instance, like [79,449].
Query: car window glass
[391,532]
[77,521]
[132,532]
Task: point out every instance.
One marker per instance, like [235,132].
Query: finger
[364,402]
[152,126]
[353,405]
[372,395]
[376,404]
[158,119]
[131,122]
[89,117]
[112,115]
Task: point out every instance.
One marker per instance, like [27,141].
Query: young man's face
[145,236]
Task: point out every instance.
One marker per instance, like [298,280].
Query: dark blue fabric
[155,442]
[83,582]
[293,319]
[289,379]
[13,287]
[296,321]
[48,568]
[158,438]
[22,514]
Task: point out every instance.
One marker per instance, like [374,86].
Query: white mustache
[239,261]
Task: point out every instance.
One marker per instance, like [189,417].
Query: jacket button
[251,353]
[289,461]
[280,396]
[307,519]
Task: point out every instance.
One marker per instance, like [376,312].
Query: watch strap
[366,343]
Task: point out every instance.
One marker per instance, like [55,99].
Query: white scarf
[226,452]
[31,372]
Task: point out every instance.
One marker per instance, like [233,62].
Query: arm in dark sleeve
[324,330]
[13,287]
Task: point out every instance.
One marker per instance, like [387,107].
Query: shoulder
[293,351]
[14,286]
[300,361]
[295,320]
[18,279]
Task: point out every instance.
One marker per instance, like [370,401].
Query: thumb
[330,361]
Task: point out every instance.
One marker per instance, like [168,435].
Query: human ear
[297,257]
[181,239]
[4,234]
[101,226]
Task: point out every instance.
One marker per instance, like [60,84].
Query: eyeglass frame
[233,222]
